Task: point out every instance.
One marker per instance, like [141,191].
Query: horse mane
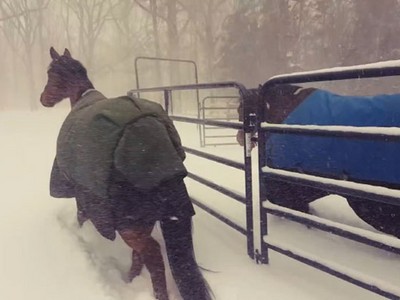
[277,92]
[68,68]
[280,100]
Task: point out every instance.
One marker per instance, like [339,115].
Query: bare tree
[21,30]
[91,16]
[375,31]
[206,18]
[132,36]
[167,11]
[239,54]
[19,14]
[153,8]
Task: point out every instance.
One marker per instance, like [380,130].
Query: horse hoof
[82,218]
[161,296]
[127,278]
[131,276]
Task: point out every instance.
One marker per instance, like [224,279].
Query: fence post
[203,126]
[248,128]
[262,253]
[167,102]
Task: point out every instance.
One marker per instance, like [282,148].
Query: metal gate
[225,111]
[253,123]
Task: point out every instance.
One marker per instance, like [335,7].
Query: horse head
[67,78]
[280,100]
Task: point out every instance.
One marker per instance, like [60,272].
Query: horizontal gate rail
[389,134]
[338,271]
[372,70]
[217,108]
[215,158]
[200,86]
[215,127]
[222,119]
[218,188]
[219,216]
[341,187]
[219,136]
[346,231]
[234,125]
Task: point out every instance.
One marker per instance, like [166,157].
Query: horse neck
[78,89]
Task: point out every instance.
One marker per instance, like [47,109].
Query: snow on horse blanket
[102,140]
[343,158]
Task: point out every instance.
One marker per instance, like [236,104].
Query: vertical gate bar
[137,75]
[171,102]
[196,78]
[203,126]
[263,255]
[166,100]
[247,128]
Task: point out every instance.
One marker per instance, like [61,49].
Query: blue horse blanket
[356,159]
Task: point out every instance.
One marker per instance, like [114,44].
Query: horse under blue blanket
[356,159]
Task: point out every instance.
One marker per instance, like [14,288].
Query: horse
[360,161]
[122,160]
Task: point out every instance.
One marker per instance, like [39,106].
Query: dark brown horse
[285,103]
[123,162]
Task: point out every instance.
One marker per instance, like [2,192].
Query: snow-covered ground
[44,255]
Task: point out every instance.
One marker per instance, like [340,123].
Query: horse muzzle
[44,102]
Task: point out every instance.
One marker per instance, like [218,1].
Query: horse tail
[179,243]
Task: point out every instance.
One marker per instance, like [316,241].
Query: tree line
[242,40]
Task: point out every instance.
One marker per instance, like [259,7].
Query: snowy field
[44,255]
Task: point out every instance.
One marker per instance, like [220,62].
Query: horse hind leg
[136,267]
[148,251]
[81,215]
[153,261]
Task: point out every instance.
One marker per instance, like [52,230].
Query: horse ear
[67,53]
[53,53]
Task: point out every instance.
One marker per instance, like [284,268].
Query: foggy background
[242,40]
